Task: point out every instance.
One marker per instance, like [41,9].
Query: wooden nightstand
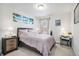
[66,39]
[9,44]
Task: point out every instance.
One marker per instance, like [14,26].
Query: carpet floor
[57,50]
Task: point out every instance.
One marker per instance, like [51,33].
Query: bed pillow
[24,32]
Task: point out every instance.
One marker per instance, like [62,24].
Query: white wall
[75,30]
[65,23]
[76,39]
[8,20]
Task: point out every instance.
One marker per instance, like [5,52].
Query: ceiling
[52,8]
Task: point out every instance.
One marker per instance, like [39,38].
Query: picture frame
[22,19]
[76,14]
[58,22]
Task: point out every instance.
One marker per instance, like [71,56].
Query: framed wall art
[58,22]
[23,19]
[76,14]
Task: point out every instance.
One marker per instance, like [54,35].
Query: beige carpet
[57,50]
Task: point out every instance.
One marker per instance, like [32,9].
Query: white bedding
[41,42]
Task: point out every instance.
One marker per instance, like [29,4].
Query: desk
[67,39]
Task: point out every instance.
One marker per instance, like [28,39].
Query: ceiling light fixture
[40,6]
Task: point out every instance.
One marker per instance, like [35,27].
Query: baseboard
[75,51]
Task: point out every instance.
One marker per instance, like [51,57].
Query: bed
[41,42]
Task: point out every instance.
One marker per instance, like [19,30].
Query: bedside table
[67,40]
[9,44]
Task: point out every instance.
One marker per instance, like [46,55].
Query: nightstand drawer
[8,48]
[11,41]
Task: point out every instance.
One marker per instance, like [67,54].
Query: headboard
[22,29]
